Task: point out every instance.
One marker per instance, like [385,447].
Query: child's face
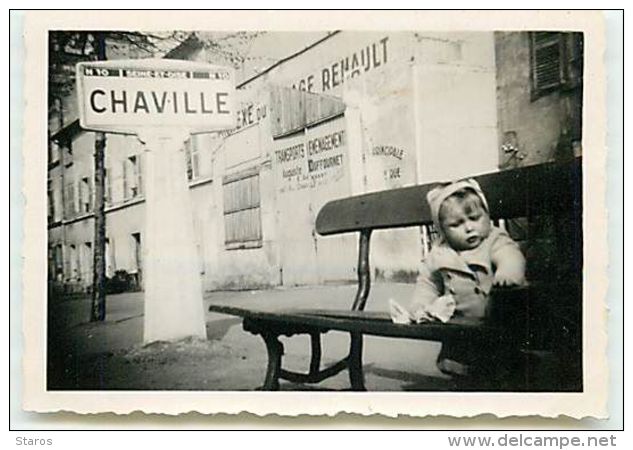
[464,221]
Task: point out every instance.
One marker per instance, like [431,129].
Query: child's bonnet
[436,197]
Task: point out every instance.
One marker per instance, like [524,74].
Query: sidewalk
[111,355]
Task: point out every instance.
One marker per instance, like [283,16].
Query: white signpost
[162,102]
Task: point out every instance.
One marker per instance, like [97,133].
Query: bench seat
[375,323]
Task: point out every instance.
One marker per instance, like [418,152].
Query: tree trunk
[99,269]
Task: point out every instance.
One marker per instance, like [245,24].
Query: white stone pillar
[173,288]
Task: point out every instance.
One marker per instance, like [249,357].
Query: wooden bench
[545,315]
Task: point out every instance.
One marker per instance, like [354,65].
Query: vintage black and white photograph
[339,211]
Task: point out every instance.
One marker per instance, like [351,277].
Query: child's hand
[398,313]
[510,267]
[442,308]
[508,276]
[420,315]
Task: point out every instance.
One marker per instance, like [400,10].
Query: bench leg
[355,362]
[315,361]
[275,352]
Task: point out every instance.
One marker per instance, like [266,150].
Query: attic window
[547,54]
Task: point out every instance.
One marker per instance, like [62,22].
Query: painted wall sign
[393,170]
[388,150]
[250,114]
[311,161]
[123,96]
[389,142]
[390,166]
[353,65]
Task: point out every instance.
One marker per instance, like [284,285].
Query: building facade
[354,112]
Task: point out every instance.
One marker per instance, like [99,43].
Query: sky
[260,50]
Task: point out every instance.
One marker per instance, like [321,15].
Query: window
[137,249]
[109,258]
[85,195]
[58,259]
[73,263]
[547,67]
[107,191]
[67,266]
[132,178]
[555,60]
[51,201]
[193,158]
[77,260]
[69,201]
[242,218]
[138,259]
[53,152]
[88,259]
[66,154]
[57,209]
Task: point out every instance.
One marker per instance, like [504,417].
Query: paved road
[111,355]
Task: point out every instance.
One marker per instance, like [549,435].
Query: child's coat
[468,275]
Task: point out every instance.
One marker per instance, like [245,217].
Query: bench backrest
[549,189]
[552,189]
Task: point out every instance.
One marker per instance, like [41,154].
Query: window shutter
[242,216]
[195,156]
[59,259]
[73,200]
[107,187]
[70,200]
[188,158]
[109,257]
[67,266]
[67,201]
[51,201]
[88,261]
[548,61]
[139,175]
[90,195]
[195,169]
[126,193]
[79,198]
[77,263]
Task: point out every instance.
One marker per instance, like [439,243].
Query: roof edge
[287,58]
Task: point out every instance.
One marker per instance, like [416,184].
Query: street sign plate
[125,96]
